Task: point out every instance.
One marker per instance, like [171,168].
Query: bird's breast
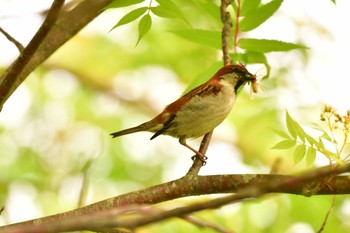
[202,114]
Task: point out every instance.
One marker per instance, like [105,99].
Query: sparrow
[200,110]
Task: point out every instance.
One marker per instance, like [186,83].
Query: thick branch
[311,183]
[66,27]
[250,191]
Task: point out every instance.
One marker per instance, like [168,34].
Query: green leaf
[299,153]
[299,130]
[310,156]
[209,7]
[311,140]
[204,37]
[123,3]
[131,16]
[320,144]
[295,128]
[144,26]
[281,133]
[168,9]
[249,6]
[326,136]
[265,46]
[322,148]
[163,12]
[259,16]
[290,125]
[285,144]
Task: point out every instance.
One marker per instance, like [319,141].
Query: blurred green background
[55,147]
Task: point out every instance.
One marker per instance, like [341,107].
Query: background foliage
[55,148]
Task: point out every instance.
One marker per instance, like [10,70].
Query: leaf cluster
[165,9]
[249,15]
[307,146]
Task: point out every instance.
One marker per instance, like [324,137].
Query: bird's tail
[126,131]
[147,126]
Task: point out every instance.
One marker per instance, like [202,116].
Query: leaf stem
[235,36]
[149,6]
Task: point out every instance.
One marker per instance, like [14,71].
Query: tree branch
[250,191]
[9,79]
[235,35]
[102,215]
[197,163]
[53,35]
[226,30]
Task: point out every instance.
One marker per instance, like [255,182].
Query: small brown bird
[200,110]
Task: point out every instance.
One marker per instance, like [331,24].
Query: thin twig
[327,215]
[12,39]
[9,79]
[197,163]
[235,36]
[206,224]
[85,183]
[226,30]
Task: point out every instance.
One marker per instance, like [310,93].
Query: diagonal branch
[58,32]
[9,79]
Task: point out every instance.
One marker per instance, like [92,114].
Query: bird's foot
[201,157]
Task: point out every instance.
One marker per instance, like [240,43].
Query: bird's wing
[166,126]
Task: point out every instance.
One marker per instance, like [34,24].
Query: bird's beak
[250,77]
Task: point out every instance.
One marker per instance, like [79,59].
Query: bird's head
[235,75]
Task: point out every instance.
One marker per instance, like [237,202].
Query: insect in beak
[255,86]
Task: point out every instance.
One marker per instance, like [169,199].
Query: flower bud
[328,108]
[322,117]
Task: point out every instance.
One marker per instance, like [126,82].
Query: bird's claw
[201,157]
